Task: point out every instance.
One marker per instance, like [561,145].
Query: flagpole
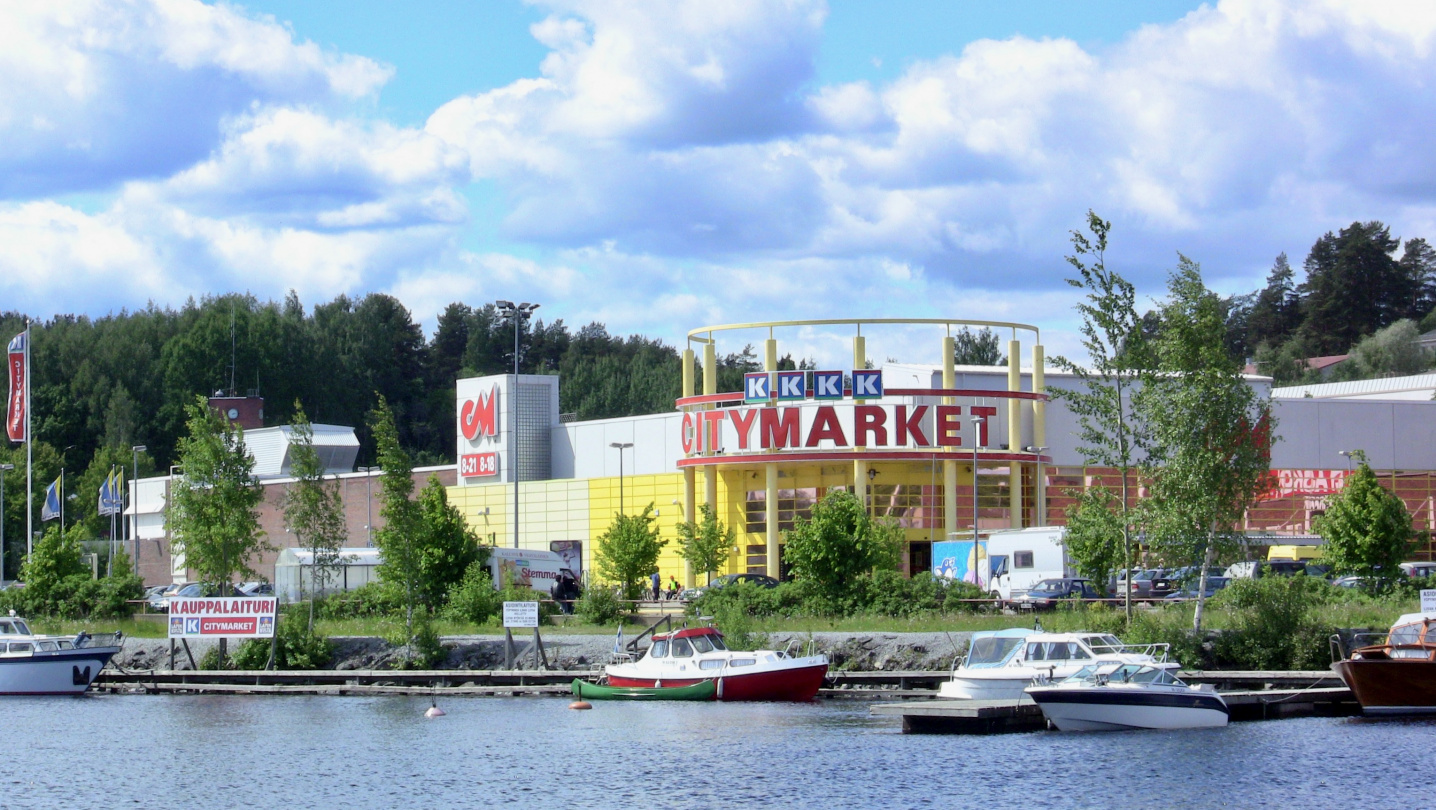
[29,455]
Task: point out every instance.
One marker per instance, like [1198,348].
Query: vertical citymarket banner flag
[15,413]
[51,509]
[110,493]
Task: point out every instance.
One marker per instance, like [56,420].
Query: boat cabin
[12,626]
[1412,636]
[686,643]
[1021,647]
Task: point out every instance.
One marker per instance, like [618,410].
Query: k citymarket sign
[840,426]
[225,617]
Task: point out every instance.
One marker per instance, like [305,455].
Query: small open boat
[702,690]
[1114,697]
[1398,674]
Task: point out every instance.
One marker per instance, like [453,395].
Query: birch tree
[313,510]
[704,543]
[1110,431]
[1211,449]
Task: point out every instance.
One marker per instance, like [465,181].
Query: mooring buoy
[434,710]
[580,704]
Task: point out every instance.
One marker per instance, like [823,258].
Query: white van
[526,568]
[1021,558]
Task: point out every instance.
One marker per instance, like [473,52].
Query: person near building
[657,586]
[672,587]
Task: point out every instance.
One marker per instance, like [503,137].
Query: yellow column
[770,355]
[949,468]
[710,368]
[690,512]
[1039,431]
[688,372]
[860,352]
[860,482]
[1014,432]
[771,515]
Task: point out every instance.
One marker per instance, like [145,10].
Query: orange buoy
[580,704]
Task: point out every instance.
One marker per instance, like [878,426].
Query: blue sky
[663,164]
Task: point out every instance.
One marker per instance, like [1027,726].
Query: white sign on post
[526,614]
[1428,601]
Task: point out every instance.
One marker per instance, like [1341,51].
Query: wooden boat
[1398,675]
[688,656]
[702,690]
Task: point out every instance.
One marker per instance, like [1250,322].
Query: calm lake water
[210,752]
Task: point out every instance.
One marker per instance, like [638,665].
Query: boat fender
[580,704]
[719,693]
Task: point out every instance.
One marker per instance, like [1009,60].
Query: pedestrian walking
[657,586]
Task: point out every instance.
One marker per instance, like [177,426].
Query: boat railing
[666,623]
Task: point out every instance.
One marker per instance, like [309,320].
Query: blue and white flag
[51,509]
[110,499]
[618,642]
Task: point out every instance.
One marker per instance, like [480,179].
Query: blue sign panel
[868,384]
[757,387]
[792,385]
[955,560]
[827,385]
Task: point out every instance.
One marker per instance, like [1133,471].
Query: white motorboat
[33,664]
[1117,697]
[1000,664]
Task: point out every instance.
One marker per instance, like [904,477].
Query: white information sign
[1428,601]
[521,614]
[222,617]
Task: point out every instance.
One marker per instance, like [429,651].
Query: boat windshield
[659,649]
[702,644]
[682,649]
[991,651]
[1104,644]
[1136,673]
[1056,651]
[718,642]
[1406,634]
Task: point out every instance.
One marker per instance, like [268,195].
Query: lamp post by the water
[620,447]
[519,313]
[368,505]
[976,431]
[135,451]
[3,468]
[1040,499]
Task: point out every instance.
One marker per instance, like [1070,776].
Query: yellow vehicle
[1293,553]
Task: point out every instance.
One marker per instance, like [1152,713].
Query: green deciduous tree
[628,550]
[1211,449]
[982,348]
[1388,352]
[313,510]
[1112,434]
[1094,534]
[447,546]
[214,504]
[839,543]
[401,563]
[704,543]
[1367,529]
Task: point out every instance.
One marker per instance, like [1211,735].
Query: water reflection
[191,751]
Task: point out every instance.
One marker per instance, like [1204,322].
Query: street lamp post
[1040,494]
[519,313]
[620,447]
[135,503]
[976,431]
[3,469]
[1349,455]
[368,505]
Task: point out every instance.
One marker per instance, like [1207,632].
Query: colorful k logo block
[792,385]
[827,385]
[757,387]
[868,384]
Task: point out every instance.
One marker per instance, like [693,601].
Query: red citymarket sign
[480,417]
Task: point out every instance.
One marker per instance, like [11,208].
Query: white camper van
[1021,558]
[526,568]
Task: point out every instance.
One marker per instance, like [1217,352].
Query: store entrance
[919,557]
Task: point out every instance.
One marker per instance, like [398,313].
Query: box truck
[526,568]
[1021,558]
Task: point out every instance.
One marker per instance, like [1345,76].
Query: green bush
[737,625]
[600,605]
[474,599]
[295,647]
[425,649]
[1272,623]
[374,599]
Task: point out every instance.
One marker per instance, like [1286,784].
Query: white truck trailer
[1021,558]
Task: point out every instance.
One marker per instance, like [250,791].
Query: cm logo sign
[480,417]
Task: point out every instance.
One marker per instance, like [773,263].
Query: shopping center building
[933,446]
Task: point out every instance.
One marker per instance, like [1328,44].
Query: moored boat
[1000,664]
[702,690]
[688,656]
[33,664]
[1398,674]
[1117,697]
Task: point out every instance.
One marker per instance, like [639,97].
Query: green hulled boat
[703,690]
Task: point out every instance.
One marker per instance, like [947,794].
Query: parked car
[760,580]
[1214,584]
[196,589]
[256,589]
[1419,569]
[1256,569]
[1348,582]
[1049,592]
[160,599]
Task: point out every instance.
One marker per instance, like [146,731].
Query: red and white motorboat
[689,656]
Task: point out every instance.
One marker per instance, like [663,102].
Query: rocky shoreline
[852,652]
